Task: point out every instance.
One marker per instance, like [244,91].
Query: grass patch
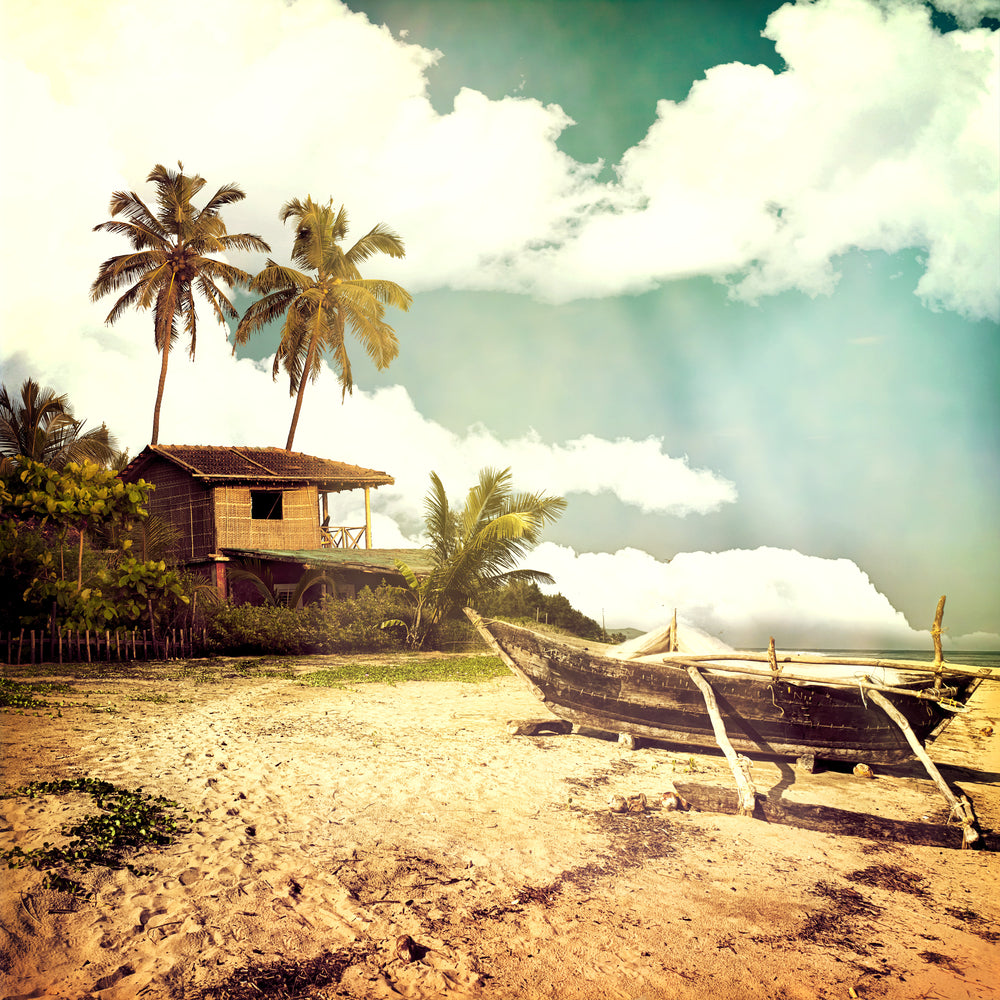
[469,669]
[126,822]
[20,695]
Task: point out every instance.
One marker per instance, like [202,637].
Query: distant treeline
[525,600]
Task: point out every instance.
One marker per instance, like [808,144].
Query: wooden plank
[738,764]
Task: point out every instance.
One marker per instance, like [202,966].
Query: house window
[265,505]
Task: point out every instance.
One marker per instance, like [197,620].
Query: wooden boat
[774,704]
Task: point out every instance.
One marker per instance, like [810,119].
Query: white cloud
[879,134]
[742,596]
[769,177]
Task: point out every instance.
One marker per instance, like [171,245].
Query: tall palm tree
[478,548]
[319,307]
[171,260]
[40,425]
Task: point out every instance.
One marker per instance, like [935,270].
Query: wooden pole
[919,666]
[936,636]
[20,645]
[368,518]
[865,683]
[738,764]
[961,810]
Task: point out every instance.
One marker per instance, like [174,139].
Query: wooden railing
[92,645]
[343,538]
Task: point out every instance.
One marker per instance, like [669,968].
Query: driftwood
[536,727]
[738,764]
[961,810]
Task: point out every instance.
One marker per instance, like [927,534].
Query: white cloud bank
[741,596]
[381,430]
[880,134]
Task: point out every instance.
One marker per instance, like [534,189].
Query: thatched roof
[221,465]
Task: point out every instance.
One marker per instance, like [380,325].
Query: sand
[329,822]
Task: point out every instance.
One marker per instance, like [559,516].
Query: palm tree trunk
[306,371]
[168,312]
[159,394]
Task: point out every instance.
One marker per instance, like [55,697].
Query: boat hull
[659,701]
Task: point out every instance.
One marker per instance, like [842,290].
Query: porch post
[368,518]
[217,576]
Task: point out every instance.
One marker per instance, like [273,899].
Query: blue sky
[724,274]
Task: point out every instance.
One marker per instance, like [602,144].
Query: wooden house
[262,506]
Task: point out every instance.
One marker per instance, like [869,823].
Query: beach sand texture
[328,822]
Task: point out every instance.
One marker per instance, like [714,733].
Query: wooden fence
[95,646]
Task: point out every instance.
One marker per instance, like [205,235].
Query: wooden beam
[961,810]
[921,666]
[368,518]
[738,764]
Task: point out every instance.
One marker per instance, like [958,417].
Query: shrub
[349,625]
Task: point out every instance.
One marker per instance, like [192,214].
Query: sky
[725,275]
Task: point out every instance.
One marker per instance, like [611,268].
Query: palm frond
[380,239]
[228,194]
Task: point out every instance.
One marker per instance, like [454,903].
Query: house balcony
[344,537]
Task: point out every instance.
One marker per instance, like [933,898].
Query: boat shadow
[718,794]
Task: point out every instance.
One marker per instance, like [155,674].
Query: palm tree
[318,308]
[40,425]
[476,549]
[170,260]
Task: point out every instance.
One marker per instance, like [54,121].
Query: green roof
[361,560]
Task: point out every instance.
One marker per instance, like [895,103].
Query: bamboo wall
[187,505]
[298,528]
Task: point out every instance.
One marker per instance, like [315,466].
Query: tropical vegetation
[524,601]
[171,260]
[39,424]
[319,307]
[50,576]
[476,549]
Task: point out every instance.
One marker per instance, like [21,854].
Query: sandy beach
[326,823]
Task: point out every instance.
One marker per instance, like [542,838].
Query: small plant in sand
[19,696]
[689,766]
[127,822]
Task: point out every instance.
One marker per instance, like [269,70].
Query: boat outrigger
[678,685]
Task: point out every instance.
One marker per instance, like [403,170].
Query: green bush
[350,625]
